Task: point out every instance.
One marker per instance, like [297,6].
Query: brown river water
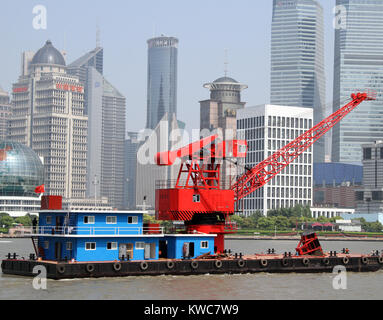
[261,286]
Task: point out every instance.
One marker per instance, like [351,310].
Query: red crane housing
[197,197]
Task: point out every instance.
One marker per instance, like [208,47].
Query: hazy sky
[205,28]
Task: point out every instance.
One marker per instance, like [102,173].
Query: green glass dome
[21,170]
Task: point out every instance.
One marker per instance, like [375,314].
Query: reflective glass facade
[358,65]
[297,59]
[162,79]
[21,170]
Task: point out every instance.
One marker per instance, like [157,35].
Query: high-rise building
[149,174]
[358,66]
[219,112]
[370,196]
[267,128]
[48,116]
[162,79]
[132,143]
[5,113]
[297,59]
[105,107]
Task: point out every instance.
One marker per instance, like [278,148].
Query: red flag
[40,189]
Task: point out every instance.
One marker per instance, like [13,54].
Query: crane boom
[266,170]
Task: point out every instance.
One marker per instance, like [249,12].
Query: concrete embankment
[297,238]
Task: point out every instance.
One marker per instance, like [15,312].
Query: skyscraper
[149,174]
[162,79]
[219,112]
[297,59]
[5,113]
[357,66]
[105,107]
[132,143]
[48,116]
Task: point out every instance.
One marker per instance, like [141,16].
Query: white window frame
[204,244]
[90,244]
[69,246]
[46,245]
[134,220]
[48,219]
[114,246]
[110,217]
[93,218]
[140,244]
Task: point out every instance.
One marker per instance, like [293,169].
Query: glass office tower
[162,79]
[297,59]
[358,65]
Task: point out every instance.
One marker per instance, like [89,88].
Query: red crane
[197,197]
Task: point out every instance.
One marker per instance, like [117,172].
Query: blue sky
[205,29]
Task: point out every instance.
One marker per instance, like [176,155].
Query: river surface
[207,287]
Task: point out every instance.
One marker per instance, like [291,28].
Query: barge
[227,265]
[98,244]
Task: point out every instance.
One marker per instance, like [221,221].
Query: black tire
[117,266]
[285,262]
[90,268]
[218,264]
[364,260]
[264,263]
[144,266]
[326,261]
[380,260]
[194,265]
[305,261]
[170,265]
[61,269]
[346,260]
[241,263]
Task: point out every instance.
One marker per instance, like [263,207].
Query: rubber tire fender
[144,266]
[117,266]
[241,263]
[194,265]
[90,268]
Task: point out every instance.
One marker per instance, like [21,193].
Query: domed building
[49,117]
[21,172]
[48,55]
[219,112]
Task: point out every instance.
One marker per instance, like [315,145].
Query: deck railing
[93,231]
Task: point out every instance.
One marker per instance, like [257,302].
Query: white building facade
[268,128]
[48,116]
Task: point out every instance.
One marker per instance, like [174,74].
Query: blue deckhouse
[111,236]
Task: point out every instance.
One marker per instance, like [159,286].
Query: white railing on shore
[96,230]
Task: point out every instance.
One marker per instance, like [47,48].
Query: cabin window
[89,220]
[111,220]
[204,244]
[69,246]
[48,220]
[196,198]
[140,245]
[90,246]
[133,220]
[111,246]
[46,245]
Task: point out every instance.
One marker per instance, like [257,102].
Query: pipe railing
[52,230]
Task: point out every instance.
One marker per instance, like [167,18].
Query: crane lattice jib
[266,170]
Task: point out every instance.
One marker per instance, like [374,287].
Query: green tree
[6,221]
[25,221]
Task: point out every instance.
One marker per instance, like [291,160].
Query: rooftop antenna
[98,35]
[226,63]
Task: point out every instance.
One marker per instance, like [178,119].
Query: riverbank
[297,238]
